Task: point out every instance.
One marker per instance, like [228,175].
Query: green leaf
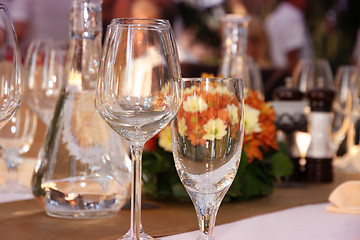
[282,166]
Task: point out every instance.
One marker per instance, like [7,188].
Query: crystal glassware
[312,73]
[83,168]
[234,61]
[207,136]
[10,68]
[45,63]
[342,124]
[139,91]
[16,138]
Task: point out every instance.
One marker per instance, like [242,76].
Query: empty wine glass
[311,73]
[350,160]
[139,91]
[345,83]
[10,68]
[16,138]
[45,72]
[207,136]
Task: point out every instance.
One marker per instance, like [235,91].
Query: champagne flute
[10,68]
[139,91]
[207,136]
[45,72]
[16,138]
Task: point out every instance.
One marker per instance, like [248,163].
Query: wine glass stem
[12,164]
[135,224]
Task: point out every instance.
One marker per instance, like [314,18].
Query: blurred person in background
[288,34]
[160,9]
[258,47]
[42,19]
[39,19]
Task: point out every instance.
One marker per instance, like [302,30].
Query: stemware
[350,160]
[44,71]
[16,138]
[345,83]
[10,68]
[139,91]
[312,73]
[207,136]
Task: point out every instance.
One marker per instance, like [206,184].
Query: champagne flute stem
[206,218]
[207,207]
[135,224]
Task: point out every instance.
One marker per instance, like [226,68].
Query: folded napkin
[345,198]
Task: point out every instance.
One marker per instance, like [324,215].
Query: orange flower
[265,140]
[219,103]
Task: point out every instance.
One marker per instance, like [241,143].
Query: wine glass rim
[211,79]
[236,18]
[3,6]
[56,43]
[139,23]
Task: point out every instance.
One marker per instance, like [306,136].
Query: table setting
[133,150]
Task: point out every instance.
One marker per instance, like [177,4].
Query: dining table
[295,211]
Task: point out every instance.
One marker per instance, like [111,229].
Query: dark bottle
[320,153]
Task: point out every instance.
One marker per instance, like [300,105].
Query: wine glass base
[143,236]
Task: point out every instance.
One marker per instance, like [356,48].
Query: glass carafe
[234,60]
[84,168]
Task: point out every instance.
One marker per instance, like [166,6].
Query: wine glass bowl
[10,68]
[345,83]
[45,73]
[16,138]
[207,136]
[139,91]
[312,73]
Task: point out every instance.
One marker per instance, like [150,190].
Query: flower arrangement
[263,160]
[217,115]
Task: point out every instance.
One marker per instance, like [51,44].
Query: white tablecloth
[310,222]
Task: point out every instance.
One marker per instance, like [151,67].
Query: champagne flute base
[143,236]
[205,237]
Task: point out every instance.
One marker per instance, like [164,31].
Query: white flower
[195,104]
[251,120]
[222,90]
[165,139]
[215,129]
[182,127]
[190,90]
[233,113]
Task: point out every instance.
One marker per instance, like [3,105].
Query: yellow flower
[215,129]
[182,127]
[233,113]
[252,120]
[195,104]
[165,139]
